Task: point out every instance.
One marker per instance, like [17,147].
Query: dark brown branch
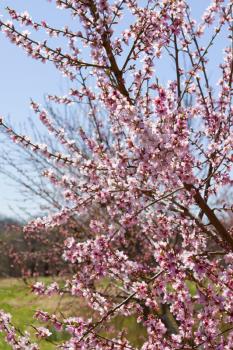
[215,222]
[113,64]
[177,70]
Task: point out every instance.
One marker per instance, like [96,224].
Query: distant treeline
[29,255]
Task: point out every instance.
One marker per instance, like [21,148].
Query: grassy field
[17,299]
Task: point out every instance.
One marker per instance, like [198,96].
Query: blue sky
[23,78]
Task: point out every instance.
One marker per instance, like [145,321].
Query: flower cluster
[158,242]
[16,341]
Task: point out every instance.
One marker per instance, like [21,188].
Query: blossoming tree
[156,181]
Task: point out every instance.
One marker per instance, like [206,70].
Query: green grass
[17,299]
